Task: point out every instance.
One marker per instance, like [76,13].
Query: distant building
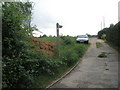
[118,11]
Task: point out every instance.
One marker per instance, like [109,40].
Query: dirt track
[93,72]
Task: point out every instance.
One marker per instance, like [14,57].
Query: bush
[20,73]
[103,36]
[71,53]
[69,57]
[39,63]
[111,34]
[68,40]
[14,74]
[80,49]
[22,63]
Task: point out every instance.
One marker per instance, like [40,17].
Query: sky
[76,16]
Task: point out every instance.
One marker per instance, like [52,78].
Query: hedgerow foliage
[21,62]
[112,34]
[71,51]
[15,39]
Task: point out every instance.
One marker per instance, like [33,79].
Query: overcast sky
[76,16]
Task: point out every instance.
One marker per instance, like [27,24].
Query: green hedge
[112,34]
[22,64]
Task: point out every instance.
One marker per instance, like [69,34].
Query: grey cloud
[42,20]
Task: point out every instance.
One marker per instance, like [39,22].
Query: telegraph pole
[58,40]
[103,21]
[101,25]
[118,11]
[57,28]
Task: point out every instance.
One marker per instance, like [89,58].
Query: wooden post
[57,27]
[58,40]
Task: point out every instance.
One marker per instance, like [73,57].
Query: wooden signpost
[58,40]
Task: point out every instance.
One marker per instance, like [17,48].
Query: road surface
[92,71]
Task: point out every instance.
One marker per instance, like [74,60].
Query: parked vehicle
[82,39]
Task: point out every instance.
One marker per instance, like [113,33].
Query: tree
[111,34]
[15,41]
[44,35]
[88,35]
[15,26]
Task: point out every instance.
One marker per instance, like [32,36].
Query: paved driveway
[92,71]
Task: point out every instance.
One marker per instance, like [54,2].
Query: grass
[98,44]
[102,55]
[113,46]
[48,39]
[70,54]
[44,80]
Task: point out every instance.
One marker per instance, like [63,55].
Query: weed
[102,55]
[98,44]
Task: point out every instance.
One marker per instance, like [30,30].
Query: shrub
[111,34]
[70,54]
[14,74]
[103,36]
[22,63]
[69,57]
[68,40]
[80,49]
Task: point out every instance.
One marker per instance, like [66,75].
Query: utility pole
[118,11]
[103,22]
[101,25]
[58,41]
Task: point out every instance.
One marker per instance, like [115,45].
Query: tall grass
[48,39]
[70,53]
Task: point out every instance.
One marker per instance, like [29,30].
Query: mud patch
[43,46]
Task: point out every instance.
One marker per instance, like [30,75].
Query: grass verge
[44,80]
[98,44]
[113,46]
[70,54]
[48,39]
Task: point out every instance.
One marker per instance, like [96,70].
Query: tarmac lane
[92,71]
